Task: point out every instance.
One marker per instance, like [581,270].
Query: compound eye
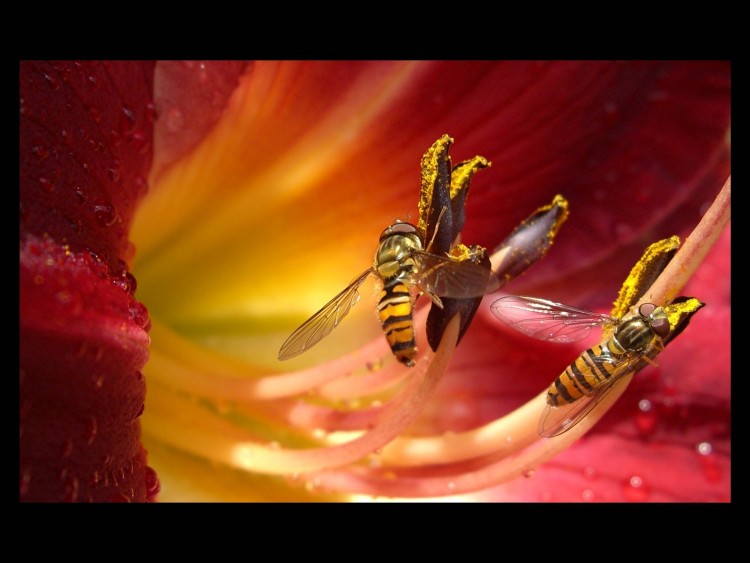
[403,229]
[660,326]
[646,310]
[398,228]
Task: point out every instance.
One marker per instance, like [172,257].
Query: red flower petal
[85,152]
[191,96]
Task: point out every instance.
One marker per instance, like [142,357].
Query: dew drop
[51,81]
[129,114]
[91,429]
[152,481]
[67,448]
[139,315]
[95,114]
[94,479]
[70,488]
[105,214]
[38,279]
[114,174]
[132,282]
[46,184]
[588,495]
[174,120]
[529,473]
[25,482]
[150,112]
[704,448]
[139,141]
[312,486]
[646,419]
[92,81]
[40,151]
[99,380]
[590,473]
[634,489]
[451,486]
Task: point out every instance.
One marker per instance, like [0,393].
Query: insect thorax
[394,257]
[632,335]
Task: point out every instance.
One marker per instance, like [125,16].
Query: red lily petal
[191,96]
[85,152]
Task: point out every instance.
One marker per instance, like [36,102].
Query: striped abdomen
[395,310]
[599,363]
[592,368]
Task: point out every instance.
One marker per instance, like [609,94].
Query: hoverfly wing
[547,320]
[558,420]
[317,327]
[447,277]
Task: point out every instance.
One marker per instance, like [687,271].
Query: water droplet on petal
[590,473]
[152,482]
[67,449]
[634,489]
[312,485]
[70,488]
[40,151]
[129,114]
[139,314]
[105,214]
[91,430]
[51,81]
[704,448]
[94,113]
[646,419]
[174,120]
[588,495]
[46,184]
[25,482]
[150,113]
[94,479]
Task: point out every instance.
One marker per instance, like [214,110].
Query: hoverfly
[637,336]
[403,266]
